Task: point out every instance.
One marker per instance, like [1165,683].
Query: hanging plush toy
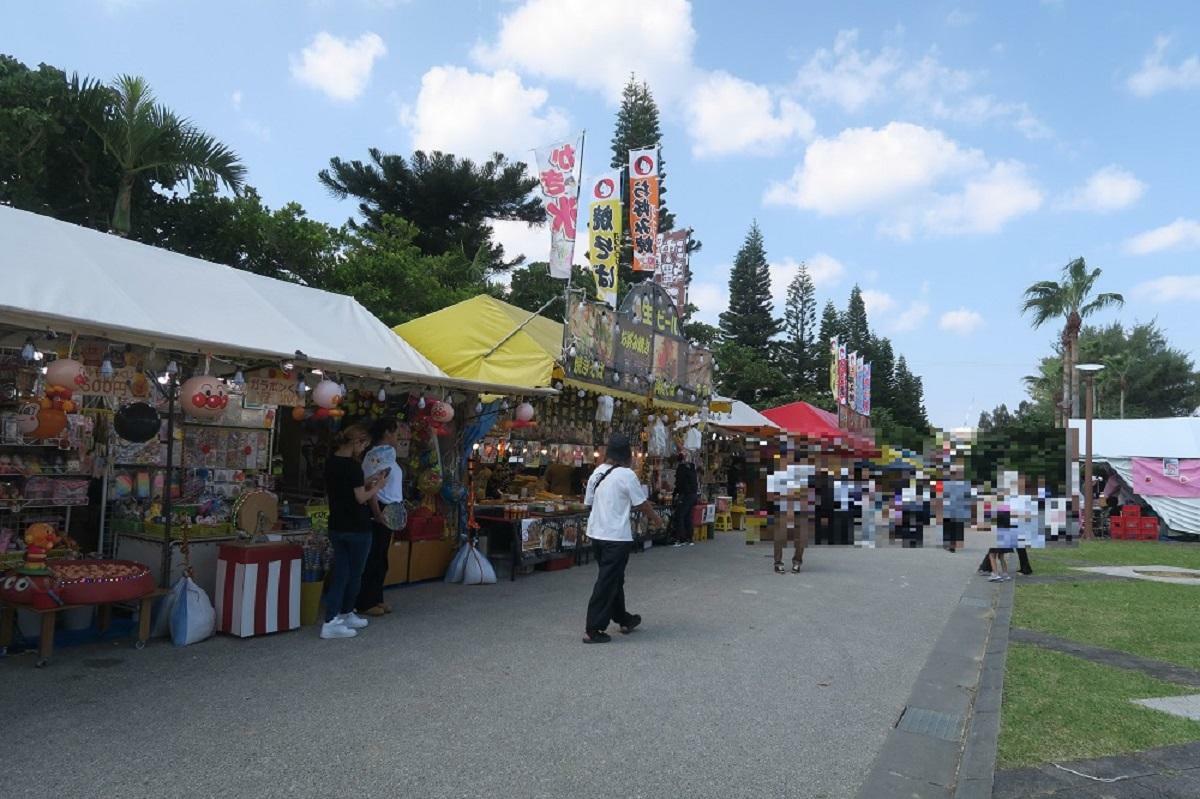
[204,397]
[328,397]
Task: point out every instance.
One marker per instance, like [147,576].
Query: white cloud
[531,241]
[961,321]
[597,45]
[710,298]
[764,119]
[1156,76]
[986,202]
[825,270]
[236,99]
[959,18]
[1182,234]
[846,76]
[1108,189]
[877,302]
[338,67]
[945,94]
[1168,288]
[863,168]
[912,316]
[475,114]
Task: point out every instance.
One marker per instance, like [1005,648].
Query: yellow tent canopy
[487,339]
[460,339]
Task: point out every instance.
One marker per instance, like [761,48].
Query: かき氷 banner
[558,174]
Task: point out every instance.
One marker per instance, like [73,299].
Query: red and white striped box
[258,588]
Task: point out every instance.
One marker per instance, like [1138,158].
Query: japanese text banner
[558,174]
[672,272]
[643,208]
[604,235]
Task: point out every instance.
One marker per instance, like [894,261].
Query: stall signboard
[558,174]
[604,235]
[841,370]
[128,381]
[271,386]
[643,208]
[672,273]
[640,348]
[866,404]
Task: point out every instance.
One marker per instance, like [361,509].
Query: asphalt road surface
[740,683]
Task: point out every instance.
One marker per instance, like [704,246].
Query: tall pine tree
[749,322]
[798,351]
[637,128]
[883,367]
[855,328]
[908,407]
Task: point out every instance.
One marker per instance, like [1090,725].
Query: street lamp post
[1089,372]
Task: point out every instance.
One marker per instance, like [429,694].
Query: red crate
[1119,529]
[558,564]
[1131,511]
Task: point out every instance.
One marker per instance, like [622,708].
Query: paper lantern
[50,423]
[204,397]
[66,372]
[327,394]
[137,422]
[441,412]
[524,412]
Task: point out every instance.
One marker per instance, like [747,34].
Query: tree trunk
[1122,406]
[122,215]
[1073,324]
[1064,406]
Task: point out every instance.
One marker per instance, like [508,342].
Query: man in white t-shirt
[613,493]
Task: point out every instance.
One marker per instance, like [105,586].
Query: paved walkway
[741,683]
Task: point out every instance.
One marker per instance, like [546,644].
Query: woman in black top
[349,529]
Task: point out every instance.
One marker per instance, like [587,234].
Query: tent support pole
[518,328]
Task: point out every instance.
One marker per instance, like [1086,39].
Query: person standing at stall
[683,500]
[613,493]
[349,529]
[954,507]
[381,458]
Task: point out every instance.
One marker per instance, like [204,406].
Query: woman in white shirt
[613,492]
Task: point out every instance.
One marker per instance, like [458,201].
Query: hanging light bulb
[572,350]
[479,407]
[172,368]
[558,385]
[238,379]
[301,386]
[106,368]
[581,393]
[420,402]
[29,352]
[382,396]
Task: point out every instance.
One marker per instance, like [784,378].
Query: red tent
[802,419]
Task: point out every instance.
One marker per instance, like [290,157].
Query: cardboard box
[397,572]
[429,560]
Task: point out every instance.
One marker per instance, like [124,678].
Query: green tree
[532,287]
[748,321]
[831,327]
[854,324]
[50,161]
[883,365]
[746,375]
[702,333]
[451,201]
[147,139]
[799,349]
[1071,299]
[384,269]
[240,231]
[637,128]
[909,406]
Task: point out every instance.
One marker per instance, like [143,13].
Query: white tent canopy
[741,417]
[1118,441]
[77,280]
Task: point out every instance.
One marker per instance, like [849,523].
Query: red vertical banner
[841,394]
[643,208]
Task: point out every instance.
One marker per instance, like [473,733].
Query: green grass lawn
[1155,620]
[1058,708]
[1060,559]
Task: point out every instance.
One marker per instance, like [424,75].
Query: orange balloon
[298,413]
[50,423]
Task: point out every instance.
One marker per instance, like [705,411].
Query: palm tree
[1071,299]
[148,139]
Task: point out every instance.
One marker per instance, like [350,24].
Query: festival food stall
[630,371]
[148,400]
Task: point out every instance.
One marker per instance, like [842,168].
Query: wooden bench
[49,619]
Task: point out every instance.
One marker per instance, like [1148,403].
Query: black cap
[618,450]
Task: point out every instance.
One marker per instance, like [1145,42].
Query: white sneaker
[677,544]
[336,629]
[995,578]
[353,620]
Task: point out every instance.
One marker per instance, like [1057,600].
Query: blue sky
[943,157]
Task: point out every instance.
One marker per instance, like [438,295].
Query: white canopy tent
[1118,441]
[742,418]
[81,281]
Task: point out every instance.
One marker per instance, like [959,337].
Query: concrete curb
[944,743]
